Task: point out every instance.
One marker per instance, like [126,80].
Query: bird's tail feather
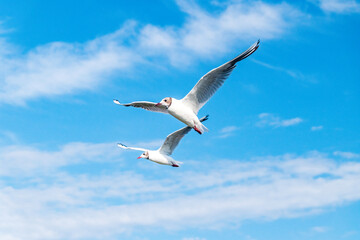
[202,128]
[176,163]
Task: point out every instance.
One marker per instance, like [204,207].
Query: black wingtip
[245,54]
[257,44]
[120,144]
[204,118]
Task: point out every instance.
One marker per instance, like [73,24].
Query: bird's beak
[158,104]
[139,157]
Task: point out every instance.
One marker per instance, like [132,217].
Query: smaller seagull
[187,108]
[162,155]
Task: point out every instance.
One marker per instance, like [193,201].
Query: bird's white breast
[182,112]
[157,157]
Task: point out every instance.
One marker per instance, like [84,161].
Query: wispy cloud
[316,128]
[193,238]
[30,161]
[154,144]
[350,234]
[292,73]
[268,119]
[207,34]
[320,229]
[8,137]
[348,155]
[338,6]
[60,68]
[79,206]
[228,131]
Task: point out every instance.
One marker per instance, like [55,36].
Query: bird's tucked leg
[196,129]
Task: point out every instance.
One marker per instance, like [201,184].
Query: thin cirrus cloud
[292,73]
[317,128]
[80,206]
[338,6]
[320,229]
[59,68]
[348,155]
[193,238]
[268,119]
[27,161]
[228,131]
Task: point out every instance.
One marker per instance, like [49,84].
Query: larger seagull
[162,155]
[187,108]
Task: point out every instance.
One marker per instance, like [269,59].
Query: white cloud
[350,234]
[8,137]
[348,155]
[105,205]
[320,229]
[339,6]
[154,144]
[268,119]
[206,34]
[60,68]
[193,238]
[228,131]
[292,73]
[316,128]
[29,161]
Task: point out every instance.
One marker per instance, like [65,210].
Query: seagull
[162,155]
[187,108]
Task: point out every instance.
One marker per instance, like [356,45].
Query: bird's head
[144,155]
[166,102]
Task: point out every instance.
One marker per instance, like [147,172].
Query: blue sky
[281,159]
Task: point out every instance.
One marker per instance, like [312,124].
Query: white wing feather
[131,148]
[150,106]
[213,80]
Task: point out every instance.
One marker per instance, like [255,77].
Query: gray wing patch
[213,80]
[150,106]
[174,138]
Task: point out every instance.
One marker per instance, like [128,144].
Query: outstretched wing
[174,138]
[131,148]
[150,106]
[213,80]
